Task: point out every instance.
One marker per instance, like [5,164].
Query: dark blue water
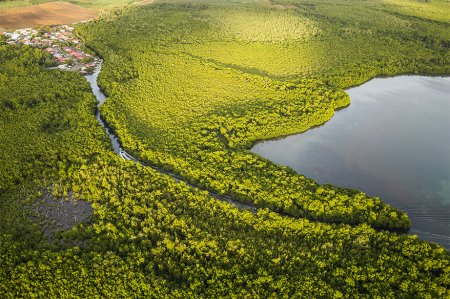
[393,142]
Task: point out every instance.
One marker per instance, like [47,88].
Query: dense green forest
[191,87]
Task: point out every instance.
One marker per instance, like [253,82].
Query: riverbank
[115,142]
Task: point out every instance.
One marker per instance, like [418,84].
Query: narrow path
[100,96]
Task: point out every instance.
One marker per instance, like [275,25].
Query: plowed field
[44,14]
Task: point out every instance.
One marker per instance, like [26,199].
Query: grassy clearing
[434,10]
[8,4]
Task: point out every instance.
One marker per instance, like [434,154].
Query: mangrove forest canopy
[191,86]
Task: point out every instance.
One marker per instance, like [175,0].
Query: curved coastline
[439,75]
[431,235]
[226,198]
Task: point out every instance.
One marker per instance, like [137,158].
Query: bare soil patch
[51,13]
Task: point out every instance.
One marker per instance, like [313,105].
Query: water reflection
[393,141]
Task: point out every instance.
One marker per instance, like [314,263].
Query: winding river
[393,141]
[100,96]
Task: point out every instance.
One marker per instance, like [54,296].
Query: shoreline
[439,75]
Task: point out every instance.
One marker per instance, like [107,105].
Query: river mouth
[393,141]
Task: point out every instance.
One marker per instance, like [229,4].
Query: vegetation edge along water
[152,237]
[402,222]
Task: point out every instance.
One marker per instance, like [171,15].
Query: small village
[61,42]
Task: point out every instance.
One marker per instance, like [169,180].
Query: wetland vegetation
[404,160]
[191,87]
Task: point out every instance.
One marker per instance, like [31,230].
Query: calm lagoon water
[393,141]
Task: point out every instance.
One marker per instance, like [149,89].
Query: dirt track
[44,14]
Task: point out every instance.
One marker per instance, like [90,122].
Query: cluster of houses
[61,42]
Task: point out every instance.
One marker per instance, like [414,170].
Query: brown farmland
[44,14]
